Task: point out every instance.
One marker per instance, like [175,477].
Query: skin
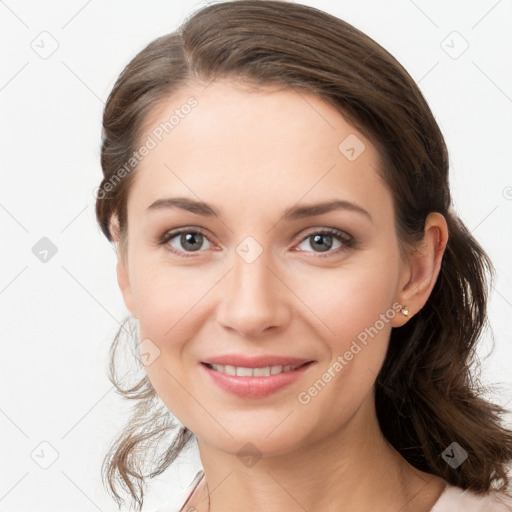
[253,154]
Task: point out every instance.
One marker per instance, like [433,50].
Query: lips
[254,377]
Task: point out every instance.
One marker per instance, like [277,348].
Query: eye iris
[323,247]
[191,241]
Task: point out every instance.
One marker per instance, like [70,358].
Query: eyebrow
[292,213]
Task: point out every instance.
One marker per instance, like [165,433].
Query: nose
[254,298]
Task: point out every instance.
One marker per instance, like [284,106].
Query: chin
[257,438]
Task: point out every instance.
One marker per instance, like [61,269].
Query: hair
[428,393]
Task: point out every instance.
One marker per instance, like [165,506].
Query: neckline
[195,482]
[200,475]
[446,487]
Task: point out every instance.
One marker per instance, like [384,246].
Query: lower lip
[255,387]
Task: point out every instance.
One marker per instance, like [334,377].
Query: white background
[59,317]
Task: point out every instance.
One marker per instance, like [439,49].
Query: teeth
[262,372]
[230,370]
[275,369]
[244,372]
[240,371]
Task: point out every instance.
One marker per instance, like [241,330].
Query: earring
[405,311]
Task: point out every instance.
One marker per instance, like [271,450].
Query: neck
[354,468]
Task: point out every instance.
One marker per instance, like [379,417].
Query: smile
[241,371]
[254,381]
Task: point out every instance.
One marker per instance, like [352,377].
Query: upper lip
[256,362]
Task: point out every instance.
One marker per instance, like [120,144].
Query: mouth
[244,371]
[255,380]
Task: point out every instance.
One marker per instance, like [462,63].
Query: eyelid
[331,231]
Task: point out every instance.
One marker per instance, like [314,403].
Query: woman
[307,301]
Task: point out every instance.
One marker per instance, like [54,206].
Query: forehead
[270,144]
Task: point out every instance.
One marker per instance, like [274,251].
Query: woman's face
[256,284]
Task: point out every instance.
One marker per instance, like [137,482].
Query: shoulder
[179,501]
[454,499]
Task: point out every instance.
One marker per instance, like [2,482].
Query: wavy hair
[428,394]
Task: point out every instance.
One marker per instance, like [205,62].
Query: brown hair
[426,394]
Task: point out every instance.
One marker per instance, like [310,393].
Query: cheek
[347,302]
[170,313]
[340,385]
[165,310]
[166,297]
[355,308]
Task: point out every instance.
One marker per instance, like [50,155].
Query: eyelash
[348,241]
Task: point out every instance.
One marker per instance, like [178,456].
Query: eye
[187,241]
[184,241]
[323,241]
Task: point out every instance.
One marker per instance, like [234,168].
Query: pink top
[452,499]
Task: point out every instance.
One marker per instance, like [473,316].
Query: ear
[420,273]
[123,277]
